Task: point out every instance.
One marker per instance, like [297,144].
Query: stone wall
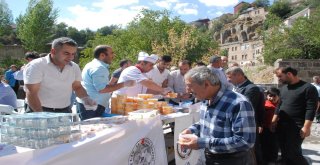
[307,68]
[13,51]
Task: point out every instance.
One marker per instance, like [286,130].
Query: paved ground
[311,145]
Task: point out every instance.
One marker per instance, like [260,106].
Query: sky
[94,14]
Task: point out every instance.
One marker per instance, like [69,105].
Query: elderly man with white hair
[138,73]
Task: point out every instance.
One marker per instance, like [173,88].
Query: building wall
[238,7]
[246,53]
[259,12]
[307,68]
[13,51]
[304,13]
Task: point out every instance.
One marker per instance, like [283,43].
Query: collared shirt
[95,77]
[132,73]
[222,76]
[10,77]
[55,84]
[7,95]
[227,125]
[156,76]
[177,84]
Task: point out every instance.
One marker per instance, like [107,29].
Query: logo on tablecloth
[143,153]
[184,153]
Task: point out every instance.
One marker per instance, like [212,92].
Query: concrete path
[311,145]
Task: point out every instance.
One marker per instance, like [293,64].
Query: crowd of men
[239,122]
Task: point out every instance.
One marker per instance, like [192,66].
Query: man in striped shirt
[226,130]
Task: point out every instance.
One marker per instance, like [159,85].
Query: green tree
[153,32]
[261,3]
[301,41]
[107,30]
[7,36]
[5,18]
[60,30]
[281,9]
[35,27]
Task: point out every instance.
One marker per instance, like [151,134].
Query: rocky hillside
[262,74]
[244,28]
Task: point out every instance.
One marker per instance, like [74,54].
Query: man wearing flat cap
[216,67]
[138,73]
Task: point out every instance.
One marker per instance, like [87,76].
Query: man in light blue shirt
[95,80]
[7,95]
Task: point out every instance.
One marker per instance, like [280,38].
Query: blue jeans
[84,114]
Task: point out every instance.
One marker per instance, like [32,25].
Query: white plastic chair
[6,110]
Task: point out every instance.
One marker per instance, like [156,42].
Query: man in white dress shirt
[177,84]
[159,74]
[216,67]
[138,73]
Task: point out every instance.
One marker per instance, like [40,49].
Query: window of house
[231,57]
[235,48]
[232,48]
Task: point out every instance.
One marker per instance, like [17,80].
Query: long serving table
[133,142]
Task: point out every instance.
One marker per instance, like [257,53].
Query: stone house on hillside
[241,40]
[303,13]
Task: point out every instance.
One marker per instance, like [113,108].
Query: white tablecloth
[134,142]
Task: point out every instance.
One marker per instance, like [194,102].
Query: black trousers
[238,158]
[269,145]
[290,143]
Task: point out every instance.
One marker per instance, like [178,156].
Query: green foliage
[218,24]
[271,21]
[281,9]
[153,32]
[244,7]
[7,61]
[107,30]
[301,41]
[5,18]
[35,28]
[261,3]
[60,30]
[224,52]
[81,37]
[7,35]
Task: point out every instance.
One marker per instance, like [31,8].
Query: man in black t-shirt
[116,74]
[294,114]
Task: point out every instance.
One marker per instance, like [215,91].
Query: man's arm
[165,83]
[152,85]
[111,88]
[243,128]
[78,89]
[113,80]
[306,129]
[32,97]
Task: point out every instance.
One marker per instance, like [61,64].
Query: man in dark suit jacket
[255,95]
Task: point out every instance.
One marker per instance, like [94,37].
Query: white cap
[143,56]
